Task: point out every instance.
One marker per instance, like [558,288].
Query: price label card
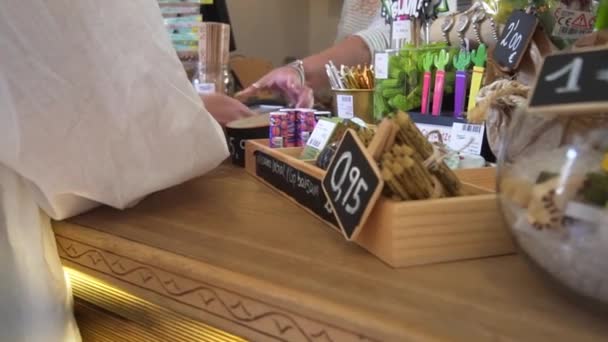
[381,65]
[352,184]
[572,83]
[571,24]
[445,131]
[515,40]
[467,138]
[321,134]
[402,29]
[345,106]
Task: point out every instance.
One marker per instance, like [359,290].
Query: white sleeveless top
[362,18]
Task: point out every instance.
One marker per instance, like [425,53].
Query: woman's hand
[225,109]
[285,80]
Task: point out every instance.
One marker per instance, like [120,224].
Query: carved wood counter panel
[227,251]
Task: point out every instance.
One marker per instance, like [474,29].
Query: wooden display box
[399,233]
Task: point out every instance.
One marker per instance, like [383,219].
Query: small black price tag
[572,83]
[515,40]
[352,184]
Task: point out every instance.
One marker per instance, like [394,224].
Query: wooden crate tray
[399,233]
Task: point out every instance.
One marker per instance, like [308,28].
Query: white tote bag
[95,108]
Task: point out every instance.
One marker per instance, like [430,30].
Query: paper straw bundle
[214,47]
[214,54]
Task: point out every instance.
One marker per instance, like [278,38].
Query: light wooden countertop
[230,252]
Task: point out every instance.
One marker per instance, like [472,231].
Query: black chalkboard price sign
[572,83]
[352,184]
[515,40]
[296,184]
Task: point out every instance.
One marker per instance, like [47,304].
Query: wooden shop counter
[227,251]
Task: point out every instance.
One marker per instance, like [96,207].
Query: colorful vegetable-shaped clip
[461,63]
[441,60]
[427,65]
[479,58]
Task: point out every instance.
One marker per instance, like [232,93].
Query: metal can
[306,124]
[278,128]
[291,133]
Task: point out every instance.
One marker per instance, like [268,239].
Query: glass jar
[208,80]
[213,73]
[553,190]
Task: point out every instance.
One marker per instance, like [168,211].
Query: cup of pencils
[353,91]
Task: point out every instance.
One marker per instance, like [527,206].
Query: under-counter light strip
[96,324]
[159,321]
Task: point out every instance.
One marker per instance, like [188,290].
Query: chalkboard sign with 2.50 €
[353,184]
[572,83]
[515,40]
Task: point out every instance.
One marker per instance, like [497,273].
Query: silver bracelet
[298,65]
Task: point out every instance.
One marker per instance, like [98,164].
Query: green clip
[462,60]
[427,61]
[480,56]
[441,60]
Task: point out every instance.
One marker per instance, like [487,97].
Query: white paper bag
[95,104]
[95,107]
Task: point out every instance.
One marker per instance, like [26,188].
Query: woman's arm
[350,51]
[355,49]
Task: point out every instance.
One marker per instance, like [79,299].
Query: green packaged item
[331,130]
[401,88]
[326,131]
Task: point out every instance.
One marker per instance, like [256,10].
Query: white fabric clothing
[95,95]
[95,108]
[362,18]
[35,302]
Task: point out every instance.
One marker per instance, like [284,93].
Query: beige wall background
[275,29]
[324,16]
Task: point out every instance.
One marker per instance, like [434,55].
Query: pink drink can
[306,124]
[290,134]
[278,127]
